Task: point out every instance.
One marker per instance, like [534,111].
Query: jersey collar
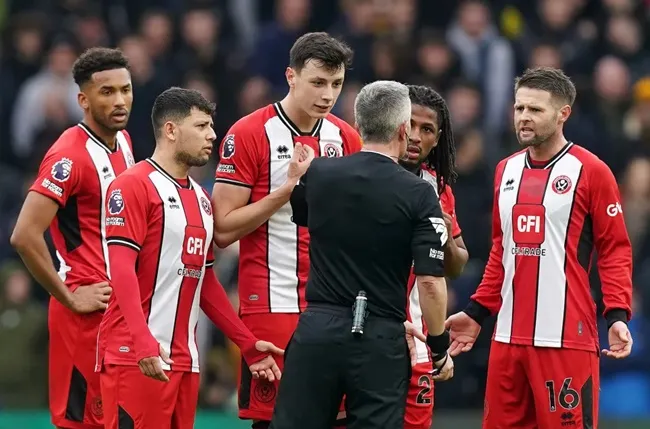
[551,162]
[293,127]
[96,139]
[168,176]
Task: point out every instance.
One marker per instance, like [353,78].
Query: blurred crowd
[235,52]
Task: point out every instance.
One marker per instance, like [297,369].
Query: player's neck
[300,119]
[167,162]
[548,149]
[108,137]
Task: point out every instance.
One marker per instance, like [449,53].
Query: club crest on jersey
[228,147]
[205,205]
[332,151]
[115,202]
[561,184]
[61,170]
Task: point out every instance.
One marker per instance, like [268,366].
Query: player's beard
[540,137]
[183,157]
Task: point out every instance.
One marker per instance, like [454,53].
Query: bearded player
[159,235]
[251,199]
[431,154]
[554,204]
[68,196]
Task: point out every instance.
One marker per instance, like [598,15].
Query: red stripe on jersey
[188,288]
[528,223]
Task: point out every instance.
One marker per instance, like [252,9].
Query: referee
[369,220]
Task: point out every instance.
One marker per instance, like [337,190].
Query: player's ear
[82,99]
[565,112]
[169,130]
[290,74]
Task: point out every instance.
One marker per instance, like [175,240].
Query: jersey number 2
[568,398]
[423,395]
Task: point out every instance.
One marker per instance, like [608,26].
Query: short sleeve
[59,176]
[351,139]
[239,158]
[448,202]
[126,212]
[429,234]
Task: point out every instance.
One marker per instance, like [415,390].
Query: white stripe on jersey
[416,318]
[164,301]
[415,310]
[106,175]
[551,291]
[129,161]
[282,233]
[507,199]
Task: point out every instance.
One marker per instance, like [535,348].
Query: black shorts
[324,363]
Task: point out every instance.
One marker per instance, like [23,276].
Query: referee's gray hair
[379,110]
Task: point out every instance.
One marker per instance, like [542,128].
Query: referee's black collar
[388,157]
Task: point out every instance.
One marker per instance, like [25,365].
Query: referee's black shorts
[324,362]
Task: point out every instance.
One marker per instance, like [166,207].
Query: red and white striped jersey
[274,259]
[76,172]
[547,219]
[413,309]
[169,223]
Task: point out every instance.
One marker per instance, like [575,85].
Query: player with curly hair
[68,196]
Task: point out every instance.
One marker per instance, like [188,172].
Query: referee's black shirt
[369,220]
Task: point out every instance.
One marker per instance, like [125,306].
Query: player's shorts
[419,402]
[257,397]
[133,400]
[541,387]
[75,399]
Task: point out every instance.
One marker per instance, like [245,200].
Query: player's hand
[620,341]
[151,366]
[91,298]
[267,368]
[463,331]
[301,159]
[448,223]
[444,370]
[411,334]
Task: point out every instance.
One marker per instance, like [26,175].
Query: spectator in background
[23,326]
[486,59]
[54,80]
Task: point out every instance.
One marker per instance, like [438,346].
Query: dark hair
[96,60]
[551,80]
[443,157]
[331,52]
[176,104]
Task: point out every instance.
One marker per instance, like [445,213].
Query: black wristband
[615,315]
[438,344]
[477,312]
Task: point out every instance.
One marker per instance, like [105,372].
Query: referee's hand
[267,368]
[411,333]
